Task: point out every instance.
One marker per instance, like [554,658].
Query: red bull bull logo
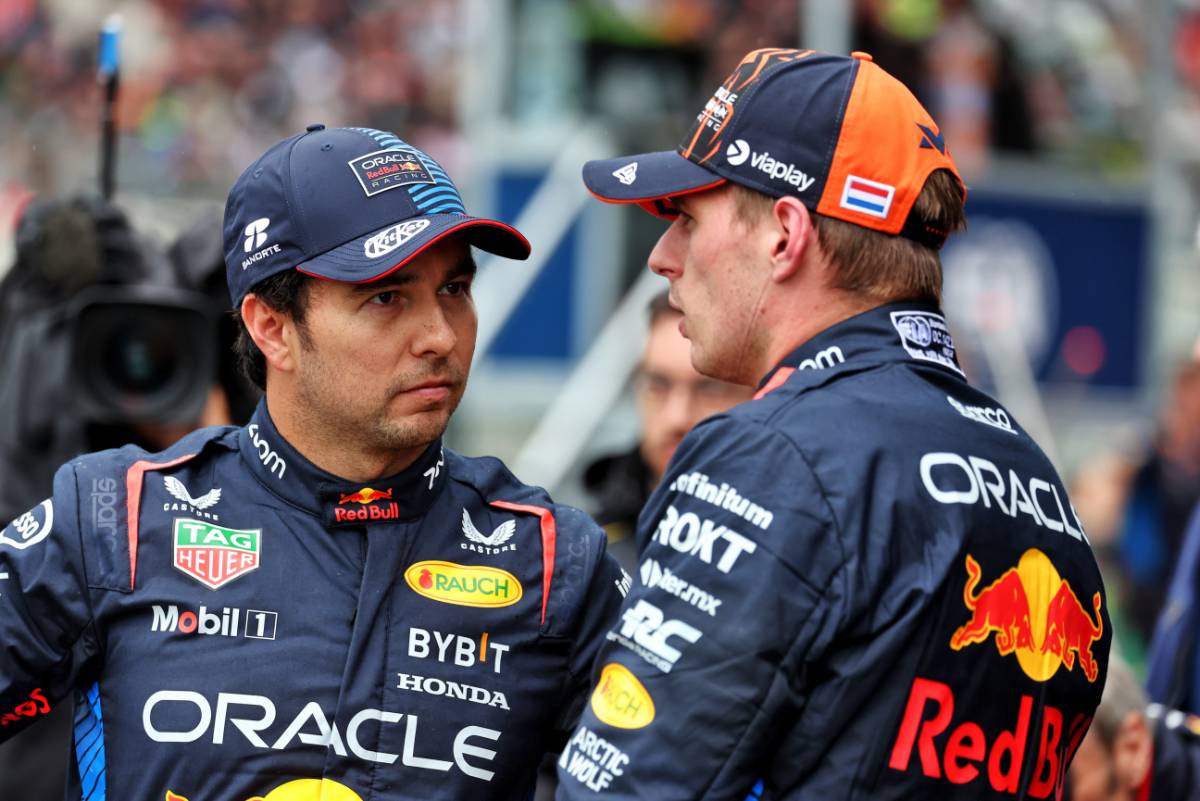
[299,790]
[366,495]
[1035,615]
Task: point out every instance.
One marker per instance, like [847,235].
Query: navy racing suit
[239,624]
[866,583]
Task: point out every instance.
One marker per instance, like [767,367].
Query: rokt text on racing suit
[240,624]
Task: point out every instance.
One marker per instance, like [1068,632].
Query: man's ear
[793,235]
[272,331]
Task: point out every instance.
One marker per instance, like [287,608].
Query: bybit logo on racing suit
[455,648]
[214,555]
[369,511]
[253,715]
[1035,615]
[298,790]
[464,585]
[620,700]
[256,624]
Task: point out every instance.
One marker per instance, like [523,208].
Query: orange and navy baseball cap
[837,132]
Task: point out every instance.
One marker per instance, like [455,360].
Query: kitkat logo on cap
[384,243]
[387,169]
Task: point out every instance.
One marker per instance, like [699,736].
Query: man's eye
[384,298]
[457,288]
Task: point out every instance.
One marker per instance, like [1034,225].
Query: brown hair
[883,267]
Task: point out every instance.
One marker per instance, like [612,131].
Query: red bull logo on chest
[215,555]
[1035,615]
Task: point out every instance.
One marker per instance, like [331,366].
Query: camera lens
[137,359]
[142,355]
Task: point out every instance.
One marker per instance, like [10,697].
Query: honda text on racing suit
[867,583]
[238,622]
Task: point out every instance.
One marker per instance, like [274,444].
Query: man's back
[868,583]
[237,619]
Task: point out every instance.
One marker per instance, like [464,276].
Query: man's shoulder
[117,462]
[492,479]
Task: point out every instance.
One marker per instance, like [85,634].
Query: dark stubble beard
[380,432]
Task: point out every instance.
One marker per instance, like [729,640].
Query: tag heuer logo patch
[215,555]
[387,169]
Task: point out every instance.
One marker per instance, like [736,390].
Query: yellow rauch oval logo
[465,585]
[620,700]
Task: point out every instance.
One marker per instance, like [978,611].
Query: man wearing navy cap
[868,581]
[327,603]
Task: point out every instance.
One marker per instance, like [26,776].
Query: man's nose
[436,336]
[665,258]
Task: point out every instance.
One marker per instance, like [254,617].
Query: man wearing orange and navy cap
[325,603]
[868,581]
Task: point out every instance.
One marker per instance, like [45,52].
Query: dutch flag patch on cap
[868,197]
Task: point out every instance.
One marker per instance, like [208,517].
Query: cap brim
[354,262]
[648,179]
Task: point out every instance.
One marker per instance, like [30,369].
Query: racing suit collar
[896,332]
[281,469]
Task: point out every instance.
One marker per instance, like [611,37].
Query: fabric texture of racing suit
[240,624]
[867,583]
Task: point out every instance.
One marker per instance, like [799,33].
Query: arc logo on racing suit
[464,585]
[1034,614]
[30,528]
[214,555]
[646,632]
[620,700]
[298,790]
[495,542]
[253,715]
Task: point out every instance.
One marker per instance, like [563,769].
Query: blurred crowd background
[1075,123]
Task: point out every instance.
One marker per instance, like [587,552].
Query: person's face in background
[671,396]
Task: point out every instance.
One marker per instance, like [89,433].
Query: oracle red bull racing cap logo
[298,790]
[1034,615]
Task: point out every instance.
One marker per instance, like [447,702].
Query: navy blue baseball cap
[346,204]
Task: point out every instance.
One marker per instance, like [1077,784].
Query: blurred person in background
[671,398]
[1136,751]
[872,551]
[68,247]
[1163,491]
[339,562]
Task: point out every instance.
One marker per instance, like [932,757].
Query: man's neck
[342,455]
[793,325]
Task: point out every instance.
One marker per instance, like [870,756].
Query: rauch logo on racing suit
[620,700]
[464,585]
